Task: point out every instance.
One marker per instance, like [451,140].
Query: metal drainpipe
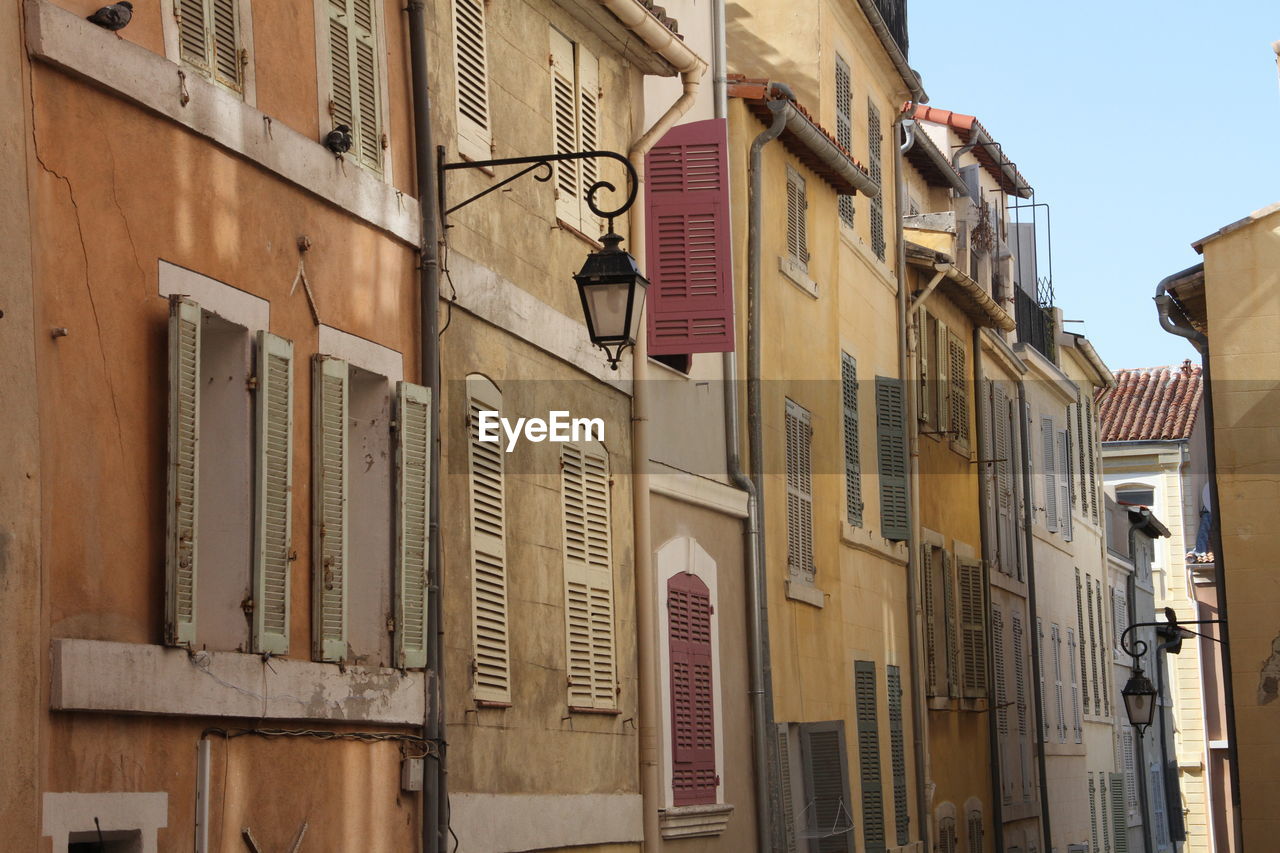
[906,369]
[1028,519]
[435,790]
[768,802]
[1140,760]
[986,487]
[1178,326]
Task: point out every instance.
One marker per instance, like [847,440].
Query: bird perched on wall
[339,139]
[114,17]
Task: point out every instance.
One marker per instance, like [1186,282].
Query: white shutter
[588,568]
[799,493]
[1075,687]
[184,472]
[475,135]
[329,437]
[1056,639]
[273,494]
[1050,475]
[1064,486]
[354,74]
[564,129]
[193,32]
[341,94]
[1044,706]
[413,478]
[588,135]
[489,616]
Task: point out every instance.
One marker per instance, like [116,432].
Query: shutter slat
[342,100]
[329,441]
[472,67]
[489,608]
[273,481]
[368,125]
[852,451]
[1064,485]
[1080,625]
[799,493]
[1055,638]
[949,626]
[692,706]
[897,754]
[874,145]
[226,43]
[183,481]
[1093,647]
[873,831]
[891,449]
[413,478]
[957,389]
[588,99]
[928,568]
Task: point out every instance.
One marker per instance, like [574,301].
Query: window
[973,627]
[1136,495]
[897,754]
[935,374]
[975,830]
[575,103]
[210,39]
[1055,638]
[491,666]
[694,779]
[797,207]
[874,144]
[939,617]
[852,453]
[948,841]
[799,438]
[866,709]
[891,453]
[844,127]
[957,393]
[1049,474]
[588,577]
[471,65]
[353,73]
[824,763]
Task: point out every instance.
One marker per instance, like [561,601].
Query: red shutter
[693,736]
[690,266]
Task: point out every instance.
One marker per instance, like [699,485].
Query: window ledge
[601,712]
[594,242]
[864,540]
[961,448]
[798,275]
[694,821]
[879,267]
[806,592]
[939,703]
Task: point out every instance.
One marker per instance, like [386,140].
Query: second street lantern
[612,290]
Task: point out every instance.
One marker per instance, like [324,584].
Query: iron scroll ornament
[544,162]
[1136,647]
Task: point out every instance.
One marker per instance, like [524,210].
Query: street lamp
[612,290]
[1139,700]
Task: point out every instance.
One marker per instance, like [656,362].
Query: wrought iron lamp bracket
[1136,648]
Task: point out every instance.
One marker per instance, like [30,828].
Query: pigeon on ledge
[114,17]
[339,139]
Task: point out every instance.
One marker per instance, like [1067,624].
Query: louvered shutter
[183,487]
[489,616]
[1093,815]
[273,494]
[1101,653]
[949,626]
[193,32]
[690,296]
[471,63]
[927,570]
[864,681]
[1080,623]
[1077,728]
[1006,531]
[1119,814]
[1002,699]
[797,205]
[957,390]
[1104,807]
[897,754]
[947,835]
[844,127]
[1093,648]
[1020,686]
[1044,706]
[891,453]
[973,629]
[923,345]
[329,438]
[413,480]
[1050,473]
[1158,799]
[827,808]
[588,577]
[564,128]
[1055,638]
[787,786]
[1064,485]
[852,451]
[209,39]
[588,94]
[692,700]
[1091,460]
[1130,766]
[975,831]
[874,144]
[1120,615]
[799,492]
[354,73]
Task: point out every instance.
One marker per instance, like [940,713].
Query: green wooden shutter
[927,570]
[958,389]
[273,494]
[897,754]
[891,452]
[471,65]
[873,831]
[827,803]
[844,127]
[183,487]
[973,628]
[329,437]
[413,479]
[786,784]
[489,611]
[852,452]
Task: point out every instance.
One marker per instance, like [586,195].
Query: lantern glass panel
[607,309]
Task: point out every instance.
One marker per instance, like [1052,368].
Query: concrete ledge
[862,539]
[694,821]
[130,678]
[798,590]
[69,42]
[506,823]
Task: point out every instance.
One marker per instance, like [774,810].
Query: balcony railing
[1034,324]
[894,13]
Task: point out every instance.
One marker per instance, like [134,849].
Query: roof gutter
[1177,323]
[639,20]
[1095,361]
[817,142]
[896,56]
[943,266]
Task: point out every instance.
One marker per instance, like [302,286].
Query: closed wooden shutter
[209,39]
[588,569]
[1119,814]
[1055,638]
[957,390]
[797,229]
[1102,654]
[973,628]
[1104,808]
[1050,474]
[1002,701]
[564,128]
[694,778]
[273,494]
[799,492]
[844,127]
[1064,485]
[897,754]
[827,808]
[471,63]
[864,682]
[1119,615]
[1080,623]
[874,145]
[490,620]
[1077,727]
[354,74]
[413,479]
[1129,765]
[588,134]
[1091,459]
[1044,706]
[329,438]
[852,451]
[949,627]
[193,32]
[891,454]
[690,296]
[1020,688]
[787,784]
[1093,815]
[929,567]
[183,486]
[947,841]
[1159,818]
[1006,528]
[1093,647]
[924,346]
[976,832]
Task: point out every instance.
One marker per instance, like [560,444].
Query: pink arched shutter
[693,737]
[689,266]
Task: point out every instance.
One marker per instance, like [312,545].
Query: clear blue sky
[1145,125]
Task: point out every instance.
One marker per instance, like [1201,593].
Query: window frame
[173,48]
[324,85]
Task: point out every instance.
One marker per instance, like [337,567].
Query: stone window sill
[865,540]
[805,592]
[694,821]
[798,275]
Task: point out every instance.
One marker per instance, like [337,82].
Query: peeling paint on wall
[1269,683]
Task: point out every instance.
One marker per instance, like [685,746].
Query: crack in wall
[124,220]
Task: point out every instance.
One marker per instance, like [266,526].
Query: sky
[1145,126]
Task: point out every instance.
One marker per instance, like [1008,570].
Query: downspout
[986,491]
[1028,520]
[907,370]
[1178,325]
[435,790]
[768,801]
[647,593]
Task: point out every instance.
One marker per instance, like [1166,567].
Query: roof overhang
[932,164]
[896,56]
[977,305]
[987,151]
[1101,373]
[1198,245]
[1188,294]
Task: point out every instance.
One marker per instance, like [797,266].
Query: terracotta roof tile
[1000,167]
[1151,404]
